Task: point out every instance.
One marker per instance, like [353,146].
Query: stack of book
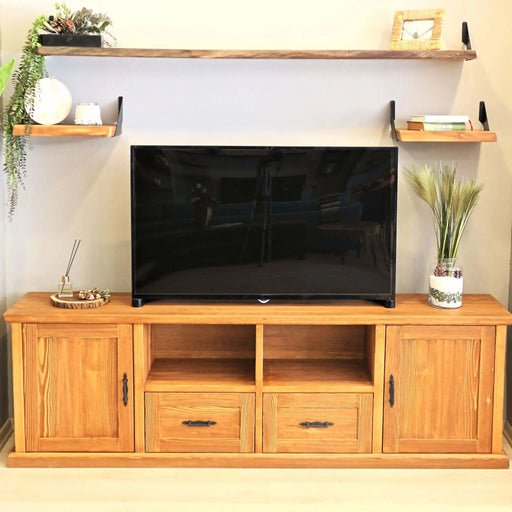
[440,123]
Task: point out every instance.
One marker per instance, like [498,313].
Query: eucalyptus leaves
[451,201]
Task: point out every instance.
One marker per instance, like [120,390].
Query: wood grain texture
[201,375]
[257,460]
[317,375]
[315,342]
[232,430]
[18,386]
[141,365]
[349,417]
[450,55]
[73,390]
[410,310]
[63,130]
[499,388]
[200,342]
[443,389]
[447,136]
[258,414]
[378,358]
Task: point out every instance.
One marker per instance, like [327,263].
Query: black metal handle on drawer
[125,390]
[391,391]
[316,424]
[199,423]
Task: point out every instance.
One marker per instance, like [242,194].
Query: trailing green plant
[32,67]
[5,73]
[451,202]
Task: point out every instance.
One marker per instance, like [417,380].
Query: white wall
[79,188]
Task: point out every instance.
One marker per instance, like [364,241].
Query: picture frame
[418,29]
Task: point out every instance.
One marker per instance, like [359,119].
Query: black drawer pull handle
[316,424]
[125,390]
[391,391]
[199,423]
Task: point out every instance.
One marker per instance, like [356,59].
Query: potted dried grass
[451,202]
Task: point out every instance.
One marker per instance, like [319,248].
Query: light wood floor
[213,490]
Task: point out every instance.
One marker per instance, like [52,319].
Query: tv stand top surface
[411,309]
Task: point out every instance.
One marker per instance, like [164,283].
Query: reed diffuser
[65,286]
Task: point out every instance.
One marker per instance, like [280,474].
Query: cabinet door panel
[442,382]
[74,378]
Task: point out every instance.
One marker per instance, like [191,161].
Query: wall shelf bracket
[482,116]
[465,35]
[392,118]
[119,124]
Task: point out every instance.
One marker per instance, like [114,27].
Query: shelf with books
[442,128]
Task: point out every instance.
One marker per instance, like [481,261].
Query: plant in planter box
[452,203]
[78,28]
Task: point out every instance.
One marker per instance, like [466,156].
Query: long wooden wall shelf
[447,55]
[446,136]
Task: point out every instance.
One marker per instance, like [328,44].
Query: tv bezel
[385,299]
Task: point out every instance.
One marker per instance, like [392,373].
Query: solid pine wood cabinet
[73,377]
[439,390]
[339,384]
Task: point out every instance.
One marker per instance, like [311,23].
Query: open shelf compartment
[318,358]
[201,358]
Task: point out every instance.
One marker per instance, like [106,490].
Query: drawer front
[317,423]
[199,422]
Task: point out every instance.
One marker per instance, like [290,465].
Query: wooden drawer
[199,422]
[317,423]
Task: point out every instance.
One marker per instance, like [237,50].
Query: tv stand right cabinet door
[438,389]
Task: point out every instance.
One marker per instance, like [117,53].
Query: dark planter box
[89,40]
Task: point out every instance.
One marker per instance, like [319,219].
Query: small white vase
[446,285]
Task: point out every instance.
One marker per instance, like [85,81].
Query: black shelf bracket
[482,116]
[119,124]
[392,118]
[465,35]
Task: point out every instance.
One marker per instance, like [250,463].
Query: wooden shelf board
[235,375]
[64,130]
[258,460]
[448,136]
[448,55]
[411,309]
[316,375]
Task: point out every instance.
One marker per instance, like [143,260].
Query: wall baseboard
[6,431]
[507,432]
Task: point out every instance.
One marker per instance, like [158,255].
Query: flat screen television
[263,223]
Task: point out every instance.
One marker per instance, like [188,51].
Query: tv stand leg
[137,303]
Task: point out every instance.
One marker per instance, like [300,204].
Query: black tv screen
[260,223]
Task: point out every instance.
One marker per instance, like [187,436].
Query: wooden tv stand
[349,384]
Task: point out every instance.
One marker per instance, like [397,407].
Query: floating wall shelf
[484,135]
[447,55]
[72,130]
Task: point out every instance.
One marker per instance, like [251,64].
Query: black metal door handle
[199,423]
[391,391]
[316,424]
[125,390]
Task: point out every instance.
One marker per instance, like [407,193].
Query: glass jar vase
[446,284]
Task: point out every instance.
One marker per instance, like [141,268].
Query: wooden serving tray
[75,303]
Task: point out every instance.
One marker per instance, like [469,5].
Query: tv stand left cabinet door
[78,388]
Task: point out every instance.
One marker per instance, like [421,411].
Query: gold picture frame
[417,30]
